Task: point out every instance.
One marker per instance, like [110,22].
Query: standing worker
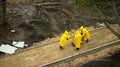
[77,40]
[65,36]
[85,34]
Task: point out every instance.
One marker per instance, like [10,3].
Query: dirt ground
[97,59]
[48,53]
[110,61]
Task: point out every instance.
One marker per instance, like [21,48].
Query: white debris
[19,44]
[14,42]
[13,30]
[102,25]
[98,25]
[7,49]
[26,45]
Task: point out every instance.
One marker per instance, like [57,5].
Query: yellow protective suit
[85,33]
[64,38]
[77,39]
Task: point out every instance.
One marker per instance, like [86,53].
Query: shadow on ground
[111,61]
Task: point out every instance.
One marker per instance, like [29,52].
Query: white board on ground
[7,49]
[18,44]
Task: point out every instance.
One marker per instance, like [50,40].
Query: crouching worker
[77,40]
[85,34]
[65,36]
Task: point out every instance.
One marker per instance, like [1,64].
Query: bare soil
[48,53]
[108,57]
[109,61]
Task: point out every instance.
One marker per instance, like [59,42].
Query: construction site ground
[86,61]
[48,53]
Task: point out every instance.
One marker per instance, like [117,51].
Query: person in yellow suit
[85,34]
[65,36]
[77,40]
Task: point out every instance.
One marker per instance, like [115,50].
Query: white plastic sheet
[18,44]
[7,49]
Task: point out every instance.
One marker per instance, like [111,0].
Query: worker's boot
[61,47]
[77,48]
[87,41]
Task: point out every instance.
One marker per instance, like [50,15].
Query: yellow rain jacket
[63,38]
[77,39]
[85,33]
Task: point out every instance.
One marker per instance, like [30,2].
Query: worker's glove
[68,38]
[81,33]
